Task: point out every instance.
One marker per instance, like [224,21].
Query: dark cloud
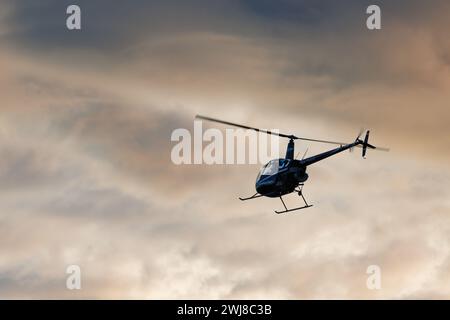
[107,26]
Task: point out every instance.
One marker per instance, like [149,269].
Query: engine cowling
[302,177]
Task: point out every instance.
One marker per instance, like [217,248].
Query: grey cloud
[25,169]
[108,204]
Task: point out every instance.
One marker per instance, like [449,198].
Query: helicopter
[286,175]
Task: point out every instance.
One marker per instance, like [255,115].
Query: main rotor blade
[376,148]
[245,127]
[322,141]
[289,136]
[343,144]
[382,149]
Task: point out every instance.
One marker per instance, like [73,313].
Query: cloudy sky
[86,176]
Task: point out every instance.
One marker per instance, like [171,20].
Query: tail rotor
[357,138]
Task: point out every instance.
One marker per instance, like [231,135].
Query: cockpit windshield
[272,167]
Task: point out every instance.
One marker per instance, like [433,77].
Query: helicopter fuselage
[280,177]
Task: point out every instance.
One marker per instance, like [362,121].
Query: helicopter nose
[265,184]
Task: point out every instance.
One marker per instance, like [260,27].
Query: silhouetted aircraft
[283,176]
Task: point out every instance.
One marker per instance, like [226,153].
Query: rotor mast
[290,150]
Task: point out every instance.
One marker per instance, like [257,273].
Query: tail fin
[365,144]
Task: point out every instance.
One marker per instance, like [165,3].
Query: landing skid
[300,193]
[256,195]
